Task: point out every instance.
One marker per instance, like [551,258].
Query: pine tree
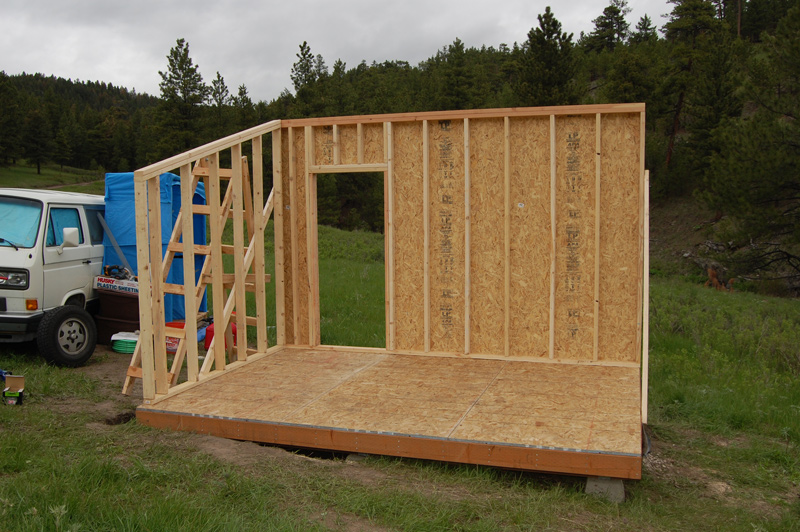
[547,65]
[245,110]
[37,139]
[456,84]
[182,95]
[610,28]
[303,71]
[10,121]
[691,22]
[645,31]
[755,176]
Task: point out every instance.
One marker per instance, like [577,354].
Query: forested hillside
[720,79]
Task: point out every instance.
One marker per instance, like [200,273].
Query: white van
[51,248]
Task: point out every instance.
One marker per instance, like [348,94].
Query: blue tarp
[120,216]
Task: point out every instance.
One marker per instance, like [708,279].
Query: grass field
[724,434]
[52,176]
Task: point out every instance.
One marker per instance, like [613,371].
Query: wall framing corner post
[312,250]
[388,194]
[643,274]
[145,292]
[553,242]
[467,240]
[426,215]
[597,176]
[156,284]
[507,236]
[646,301]
[293,202]
[278,210]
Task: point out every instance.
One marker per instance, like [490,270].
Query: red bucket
[210,336]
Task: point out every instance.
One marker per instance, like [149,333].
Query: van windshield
[19,221]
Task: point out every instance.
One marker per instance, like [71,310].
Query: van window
[59,219]
[19,221]
[95,227]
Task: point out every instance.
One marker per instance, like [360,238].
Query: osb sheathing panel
[620,242]
[287,183]
[487,214]
[373,143]
[348,144]
[447,235]
[323,145]
[575,237]
[530,237]
[409,237]
[301,308]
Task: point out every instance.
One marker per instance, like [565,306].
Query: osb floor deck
[575,419]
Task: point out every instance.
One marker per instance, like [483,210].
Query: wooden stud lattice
[513,293]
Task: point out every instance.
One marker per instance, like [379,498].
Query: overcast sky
[255,42]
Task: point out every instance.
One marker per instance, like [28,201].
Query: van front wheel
[67,336]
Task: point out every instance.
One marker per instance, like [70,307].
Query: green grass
[725,361]
[724,421]
[24,176]
[352,288]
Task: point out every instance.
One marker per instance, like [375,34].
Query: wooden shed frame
[511,235]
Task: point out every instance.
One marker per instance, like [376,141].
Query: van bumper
[19,327]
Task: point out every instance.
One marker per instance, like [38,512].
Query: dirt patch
[346,522]
[241,453]
[110,368]
[669,466]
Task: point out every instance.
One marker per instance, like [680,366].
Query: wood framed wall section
[516,340]
[279,210]
[147,335]
[189,297]
[238,289]
[447,156]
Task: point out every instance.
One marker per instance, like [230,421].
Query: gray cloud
[254,42]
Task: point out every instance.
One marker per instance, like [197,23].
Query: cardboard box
[14,390]
[117,285]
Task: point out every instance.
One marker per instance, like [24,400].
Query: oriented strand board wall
[409,237]
[575,242]
[447,222]
[286,209]
[487,215]
[301,306]
[620,238]
[530,237]
[348,144]
[548,231]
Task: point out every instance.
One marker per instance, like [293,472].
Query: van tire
[67,336]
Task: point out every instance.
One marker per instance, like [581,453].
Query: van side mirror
[71,239]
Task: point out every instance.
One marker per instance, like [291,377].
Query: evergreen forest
[721,80]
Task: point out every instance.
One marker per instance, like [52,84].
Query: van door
[93,213]
[71,269]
